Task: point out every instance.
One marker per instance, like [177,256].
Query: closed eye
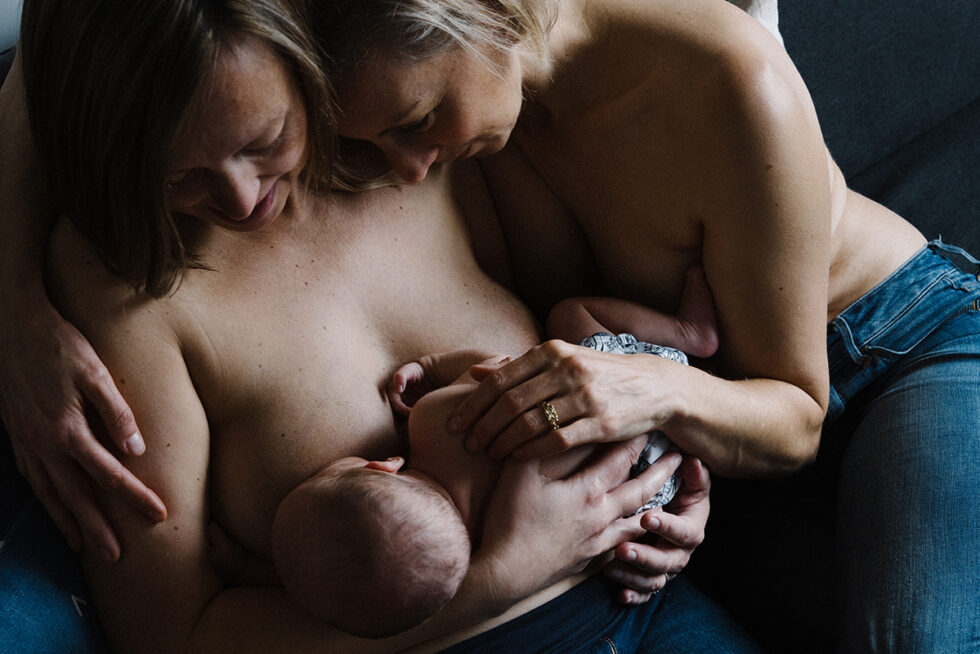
[266,149]
[420,125]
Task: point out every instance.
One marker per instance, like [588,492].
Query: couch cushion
[897,90]
[934,180]
[880,71]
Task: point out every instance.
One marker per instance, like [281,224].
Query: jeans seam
[909,307]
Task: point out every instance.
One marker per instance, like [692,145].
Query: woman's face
[242,144]
[450,106]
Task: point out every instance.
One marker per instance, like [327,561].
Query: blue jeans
[588,620]
[876,546]
[44,602]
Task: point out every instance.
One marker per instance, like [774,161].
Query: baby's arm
[693,330]
[432,371]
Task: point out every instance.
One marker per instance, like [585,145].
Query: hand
[644,568]
[538,530]
[51,374]
[599,397]
[414,379]
[406,387]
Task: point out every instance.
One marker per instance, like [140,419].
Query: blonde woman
[625,142]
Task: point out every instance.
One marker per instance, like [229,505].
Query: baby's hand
[407,385]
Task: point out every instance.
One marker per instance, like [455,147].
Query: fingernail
[616,574]
[631,555]
[653,524]
[135,445]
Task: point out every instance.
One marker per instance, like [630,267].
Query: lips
[260,216]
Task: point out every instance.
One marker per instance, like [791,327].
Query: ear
[392,465]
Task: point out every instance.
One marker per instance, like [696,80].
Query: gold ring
[550,414]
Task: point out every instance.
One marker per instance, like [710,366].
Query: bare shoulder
[707,46]
[88,294]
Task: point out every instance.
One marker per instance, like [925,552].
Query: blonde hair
[351,32]
[108,84]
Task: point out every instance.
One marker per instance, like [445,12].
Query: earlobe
[392,465]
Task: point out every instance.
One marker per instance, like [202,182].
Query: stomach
[869,242]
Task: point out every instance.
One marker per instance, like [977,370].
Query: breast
[295,378]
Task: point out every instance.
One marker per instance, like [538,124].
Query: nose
[237,190]
[411,164]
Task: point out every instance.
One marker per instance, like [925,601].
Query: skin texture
[236,413]
[661,136]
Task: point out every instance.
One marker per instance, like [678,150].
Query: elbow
[797,453]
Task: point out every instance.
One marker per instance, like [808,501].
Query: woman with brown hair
[250,322]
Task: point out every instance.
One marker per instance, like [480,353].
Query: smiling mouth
[258,214]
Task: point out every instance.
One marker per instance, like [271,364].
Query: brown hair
[108,83]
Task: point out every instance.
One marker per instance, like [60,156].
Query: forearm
[745,427]
[28,210]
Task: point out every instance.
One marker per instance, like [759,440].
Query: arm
[50,373]
[172,599]
[757,200]
[693,330]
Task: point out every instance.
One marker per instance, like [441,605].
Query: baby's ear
[392,465]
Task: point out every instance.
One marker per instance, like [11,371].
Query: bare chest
[617,205]
[292,369]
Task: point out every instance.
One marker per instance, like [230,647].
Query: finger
[533,425]
[582,430]
[73,490]
[636,492]
[48,496]
[101,391]
[607,472]
[652,559]
[518,404]
[681,531]
[493,384]
[621,530]
[695,478]
[629,596]
[634,578]
[107,471]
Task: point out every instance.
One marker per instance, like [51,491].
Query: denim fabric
[883,530]
[589,620]
[44,602]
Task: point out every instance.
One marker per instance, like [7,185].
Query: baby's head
[370,550]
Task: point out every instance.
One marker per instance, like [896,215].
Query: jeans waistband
[580,615]
[938,283]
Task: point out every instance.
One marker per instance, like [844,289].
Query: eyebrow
[401,117]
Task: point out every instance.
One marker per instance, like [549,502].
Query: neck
[570,34]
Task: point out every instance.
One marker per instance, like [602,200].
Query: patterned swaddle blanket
[657,441]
